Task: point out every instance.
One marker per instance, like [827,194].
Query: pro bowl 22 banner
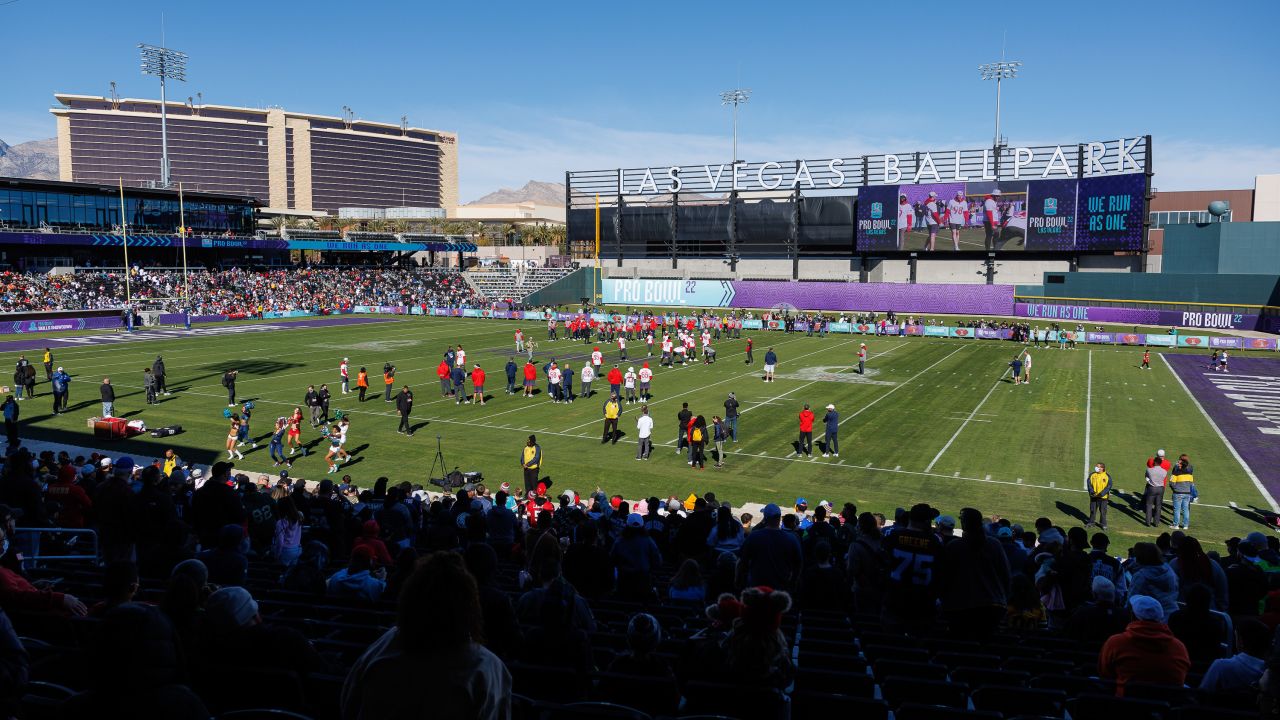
[656,291]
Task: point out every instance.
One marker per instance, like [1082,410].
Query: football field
[934,419]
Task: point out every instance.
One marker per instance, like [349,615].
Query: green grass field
[933,421]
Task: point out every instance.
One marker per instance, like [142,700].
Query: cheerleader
[336,454]
[246,412]
[344,423]
[233,434]
[293,437]
[276,448]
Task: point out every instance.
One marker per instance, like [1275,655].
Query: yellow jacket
[611,410]
[1099,485]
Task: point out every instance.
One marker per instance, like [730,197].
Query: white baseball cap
[1160,453]
[831,407]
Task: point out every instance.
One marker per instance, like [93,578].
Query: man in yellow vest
[171,462]
[1099,487]
[48,364]
[612,410]
[531,462]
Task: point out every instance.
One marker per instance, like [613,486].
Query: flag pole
[124,232]
[595,290]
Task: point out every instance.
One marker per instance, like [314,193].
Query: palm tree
[279,223]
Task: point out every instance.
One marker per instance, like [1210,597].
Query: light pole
[735,98]
[998,71]
[165,64]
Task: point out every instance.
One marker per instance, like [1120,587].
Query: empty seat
[653,695]
[915,711]
[1073,684]
[859,685]
[893,652]
[547,683]
[1019,701]
[977,677]
[903,668]
[898,690]
[1105,707]
[826,661]
[808,704]
[737,701]
[955,660]
[590,710]
[1039,666]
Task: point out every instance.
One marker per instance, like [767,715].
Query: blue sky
[534,89]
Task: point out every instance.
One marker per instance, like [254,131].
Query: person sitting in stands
[644,634]
[369,537]
[1100,618]
[1204,632]
[1146,652]
[1240,673]
[137,670]
[467,680]
[756,652]
[358,579]
[227,562]
[119,584]
[17,593]
[235,636]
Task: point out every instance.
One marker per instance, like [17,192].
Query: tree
[279,223]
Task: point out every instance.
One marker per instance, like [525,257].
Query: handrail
[91,533]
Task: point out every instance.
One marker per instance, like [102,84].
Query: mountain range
[37,159]
[535,191]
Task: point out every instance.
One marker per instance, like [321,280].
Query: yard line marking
[1248,470]
[895,388]
[1088,414]
[960,429]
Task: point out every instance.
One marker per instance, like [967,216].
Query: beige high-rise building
[288,160]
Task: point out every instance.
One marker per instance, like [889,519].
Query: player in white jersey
[933,219]
[553,379]
[906,215]
[343,426]
[629,382]
[645,376]
[342,373]
[648,340]
[957,217]
[991,223]
[460,358]
[622,347]
[597,359]
[666,350]
[679,354]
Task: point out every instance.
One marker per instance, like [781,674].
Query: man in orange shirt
[806,432]
[388,379]
[362,383]
[477,384]
[442,372]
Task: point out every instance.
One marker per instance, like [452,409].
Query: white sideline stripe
[960,429]
[1088,415]
[1247,470]
[899,386]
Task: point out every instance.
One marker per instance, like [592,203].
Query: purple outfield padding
[1243,404]
[953,299]
[1142,316]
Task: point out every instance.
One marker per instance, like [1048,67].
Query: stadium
[967,432]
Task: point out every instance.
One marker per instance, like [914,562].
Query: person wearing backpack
[698,443]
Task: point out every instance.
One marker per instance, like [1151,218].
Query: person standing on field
[311,400]
[566,382]
[149,384]
[644,431]
[48,364]
[750,344]
[362,383]
[530,378]
[388,379]
[612,411]
[770,364]
[831,422]
[444,372]
[343,375]
[531,463]
[477,384]
[1026,366]
[731,415]
[806,432]
[511,371]
[61,383]
[1099,486]
[404,406]
[158,370]
[459,377]
[229,382]
[588,376]
[719,434]
[108,398]
[862,359]
[1157,476]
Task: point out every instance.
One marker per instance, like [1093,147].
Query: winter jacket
[362,585]
[1182,479]
[1158,581]
[1099,485]
[806,421]
[1146,652]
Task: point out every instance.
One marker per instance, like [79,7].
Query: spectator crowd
[335,596]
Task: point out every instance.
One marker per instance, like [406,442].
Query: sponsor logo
[962,332]
[1191,340]
[877,210]
[1050,206]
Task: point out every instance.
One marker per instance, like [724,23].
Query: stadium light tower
[735,98]
[165,64]
[999,71]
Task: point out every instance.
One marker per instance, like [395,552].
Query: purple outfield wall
[953,299]
[1244,404]
[1144,316]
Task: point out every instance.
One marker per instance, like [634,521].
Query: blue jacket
[832,421]
[60,381]
[359,585]
[511,371]
[770,358]
[458,375]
